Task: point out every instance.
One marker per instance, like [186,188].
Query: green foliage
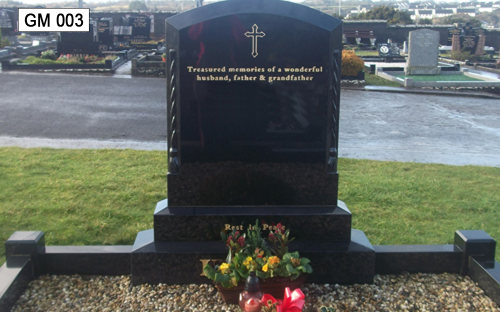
[3,41]
[425,21]
[374,80]
[48,55]
[457,18]
[383,12]
[137,6]
[66,59]
[40,61]
[279,241]
[327,309]
[254,238]
[492,18]
[463,56]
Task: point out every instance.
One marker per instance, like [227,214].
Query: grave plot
[253,89]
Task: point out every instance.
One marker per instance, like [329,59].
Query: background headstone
[480,41]
[105,33]
[423,53]
[454,39]
[388,50]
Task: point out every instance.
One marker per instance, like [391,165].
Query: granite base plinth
[331,223]
[351,262]
[417,70]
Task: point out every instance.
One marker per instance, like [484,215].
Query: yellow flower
[264,268]
[224,267]
[248,262]
[273,260]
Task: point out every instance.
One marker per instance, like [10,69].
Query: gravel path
[405,292]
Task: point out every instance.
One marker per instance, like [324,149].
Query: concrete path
[71,111]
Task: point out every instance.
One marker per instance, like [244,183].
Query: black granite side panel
[394,259]
[331,224]
[487,275]
[87,260]
[13,281]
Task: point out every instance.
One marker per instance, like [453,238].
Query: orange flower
[273,260]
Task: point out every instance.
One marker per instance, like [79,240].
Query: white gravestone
[423,53]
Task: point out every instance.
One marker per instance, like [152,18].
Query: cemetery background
[375,118]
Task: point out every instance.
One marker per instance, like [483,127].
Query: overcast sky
[55,1]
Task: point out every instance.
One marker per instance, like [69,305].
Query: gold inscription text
[270,75]
[265,227]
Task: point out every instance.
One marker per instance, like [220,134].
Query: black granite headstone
[388,50]
[7,19]
[78,42]
[141,27]
[253,89]
[468,38]
[254,120]
[105,34]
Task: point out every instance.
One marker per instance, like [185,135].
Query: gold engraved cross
[255,34]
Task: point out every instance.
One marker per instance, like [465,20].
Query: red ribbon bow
[292,302]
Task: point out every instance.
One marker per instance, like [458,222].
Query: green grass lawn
[439,78]
[366,52]
[104,197]
[374,80]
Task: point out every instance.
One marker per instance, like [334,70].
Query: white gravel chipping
[405,292]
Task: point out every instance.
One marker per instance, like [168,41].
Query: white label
[44,20]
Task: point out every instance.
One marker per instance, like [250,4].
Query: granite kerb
[19,270]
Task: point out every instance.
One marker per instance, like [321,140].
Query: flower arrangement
[251,252]
[49,58]
[48,55]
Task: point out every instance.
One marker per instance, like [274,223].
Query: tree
[3,41]
[389,14]
[425,21]
[490,18]
[457,18]
[137,6]
[337,15]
